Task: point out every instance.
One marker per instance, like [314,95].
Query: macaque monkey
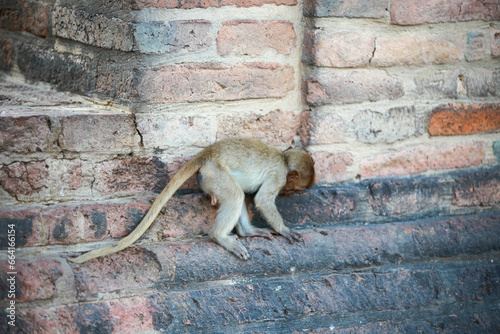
[226,171]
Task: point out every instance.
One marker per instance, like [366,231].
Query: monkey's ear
[293,175]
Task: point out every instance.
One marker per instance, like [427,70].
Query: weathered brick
[35,280]
[174,130]
[173,36]
[401,197]
[475,46]
[438,84]
[322,128]
[339,49]
[25,134]
[331,167]
[6,60]
[398,123]
[338,8]
[25,178]
[116,81]
[464,119]
[132,268]
[496,148]
[477,189]
[131,175]
[124,315]
[215,82]
[423,158]
[406,49]
[189,4]
[67,71]
[408,12]
[275,128]
[30,16]
[352,86]
[98,132]
[319,206]
[495,41]
[482,82]
[28,226]
[95,30]
[249,37]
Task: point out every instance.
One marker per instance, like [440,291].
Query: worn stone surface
[185,4]
[477,189]
[322,128]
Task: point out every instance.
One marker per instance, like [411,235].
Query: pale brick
[339,8]
[423,158]
[339,49]
[173,36]
[352,86]
[331,167]
[98,132]
[495,41]
[215,82]
[438,84]
[275,128]
[190,4]
[415,50]
[322,128]
[95,30]
[250,37]
[397,124]
[174,130]
[409,12]
[482,82]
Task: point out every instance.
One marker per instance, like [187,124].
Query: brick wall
[397,101]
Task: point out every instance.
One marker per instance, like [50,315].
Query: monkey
[227,170]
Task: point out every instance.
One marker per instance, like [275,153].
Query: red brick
[409,12]
[6,59]
[464,119]
[131,175]
[339,49]
[124,315]
[423,158]
[415,50]
[331,167]
[35,280]
[25,134]
[353,86]
[215,82]
[95,30]
[19,15]
[25,179]
[322,128]
[98,132]
[189,4]
[29,226]
[495,41]
[131,268]
[250,37]
[275,128]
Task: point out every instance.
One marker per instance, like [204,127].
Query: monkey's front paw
[292,236]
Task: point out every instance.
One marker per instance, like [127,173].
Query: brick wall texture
[398,103]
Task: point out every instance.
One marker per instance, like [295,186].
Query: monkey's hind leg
[225,188]
[244,228]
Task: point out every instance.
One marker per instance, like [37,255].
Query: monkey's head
[301,171]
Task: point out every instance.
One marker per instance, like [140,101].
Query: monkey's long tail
[191,167]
